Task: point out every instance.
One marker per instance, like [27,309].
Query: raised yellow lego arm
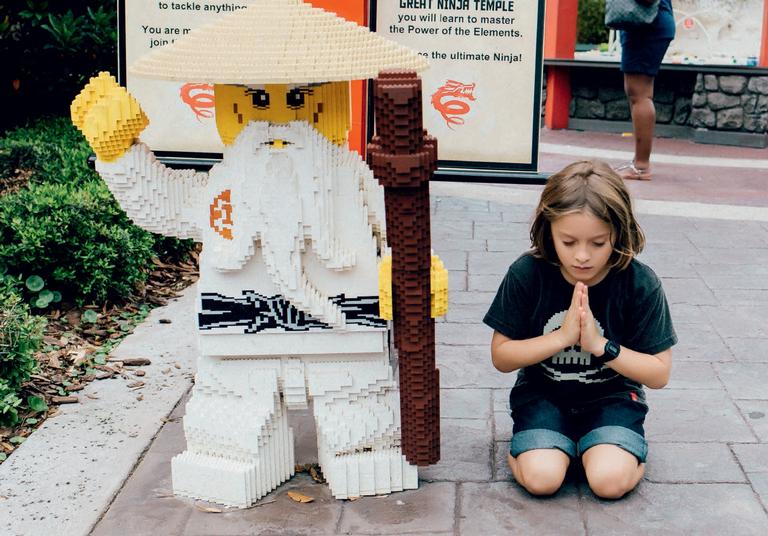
[109,117]
[438,280]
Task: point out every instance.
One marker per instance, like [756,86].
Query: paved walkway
[708,430]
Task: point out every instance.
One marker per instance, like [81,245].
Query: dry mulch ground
[76,352]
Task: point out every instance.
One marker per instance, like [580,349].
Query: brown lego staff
[403,158]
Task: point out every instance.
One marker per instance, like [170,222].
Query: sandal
[628,171]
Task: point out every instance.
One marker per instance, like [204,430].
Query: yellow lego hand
[385,288]
[438,284]
[109,117]
[438,281]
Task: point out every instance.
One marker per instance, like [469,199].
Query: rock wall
[730,103]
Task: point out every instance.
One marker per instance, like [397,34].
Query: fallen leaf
[316,475]
[92,397]
[300,497]
[132,361]
[208,509]
[352,498]
[140,398]
[64,400]
[177,365]
[136,385]
[139,373]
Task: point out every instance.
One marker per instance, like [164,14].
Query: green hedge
[49,50]
[51,151]
[20,337]
[76,238]
[65,226]
[591,22]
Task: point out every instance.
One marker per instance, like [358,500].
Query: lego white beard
[281,197]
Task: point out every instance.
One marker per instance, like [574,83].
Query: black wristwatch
[610,352]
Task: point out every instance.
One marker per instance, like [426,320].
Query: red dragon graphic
[452,108]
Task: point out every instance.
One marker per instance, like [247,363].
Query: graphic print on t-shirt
[573,363]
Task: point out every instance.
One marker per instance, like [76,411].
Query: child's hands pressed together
[590,339]
[570,331]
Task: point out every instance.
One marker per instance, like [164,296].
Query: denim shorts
[642,55]
[615,420]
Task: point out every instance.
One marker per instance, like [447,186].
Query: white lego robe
[288,311]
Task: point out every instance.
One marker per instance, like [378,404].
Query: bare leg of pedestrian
[639,90]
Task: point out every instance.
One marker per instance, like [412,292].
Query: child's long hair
[589,185]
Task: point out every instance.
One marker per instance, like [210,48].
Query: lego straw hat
[277,41]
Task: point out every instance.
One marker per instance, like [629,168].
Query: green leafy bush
[65,226]
[50,150]
[20,337]
[76,238]
[591,22]
[49,50]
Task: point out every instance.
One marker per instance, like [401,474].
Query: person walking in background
[642,50]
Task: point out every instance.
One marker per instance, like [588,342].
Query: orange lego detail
[221,215]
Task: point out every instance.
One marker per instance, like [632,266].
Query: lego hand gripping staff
[293,270]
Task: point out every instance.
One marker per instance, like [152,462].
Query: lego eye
[260,98]
[295,98]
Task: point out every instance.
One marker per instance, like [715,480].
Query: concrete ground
[106,467]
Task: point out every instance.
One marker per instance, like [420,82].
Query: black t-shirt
[629,307]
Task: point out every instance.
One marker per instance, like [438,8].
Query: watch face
[612,349]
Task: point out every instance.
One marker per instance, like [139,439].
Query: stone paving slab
[504,508]
[701,463]
[678,509]
[466,447]
[695,416]
[755,413]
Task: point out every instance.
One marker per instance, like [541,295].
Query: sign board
[482,92]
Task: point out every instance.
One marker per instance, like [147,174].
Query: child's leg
[611,471]
[613,451]
[540,471]
[541,449]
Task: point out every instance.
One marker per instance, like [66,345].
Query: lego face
[324,106]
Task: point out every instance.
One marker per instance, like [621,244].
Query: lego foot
[221,480]
[369,473]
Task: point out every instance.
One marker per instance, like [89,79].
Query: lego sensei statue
[296,280]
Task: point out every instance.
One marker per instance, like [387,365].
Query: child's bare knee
[542,483]
[542,478]
[611,482]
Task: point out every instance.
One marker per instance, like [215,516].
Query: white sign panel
[482,90]
[180,114]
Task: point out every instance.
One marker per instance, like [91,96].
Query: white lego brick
[211,479]
[281,343]
[352,466]
[396,470]
[382,476]
[410,475]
